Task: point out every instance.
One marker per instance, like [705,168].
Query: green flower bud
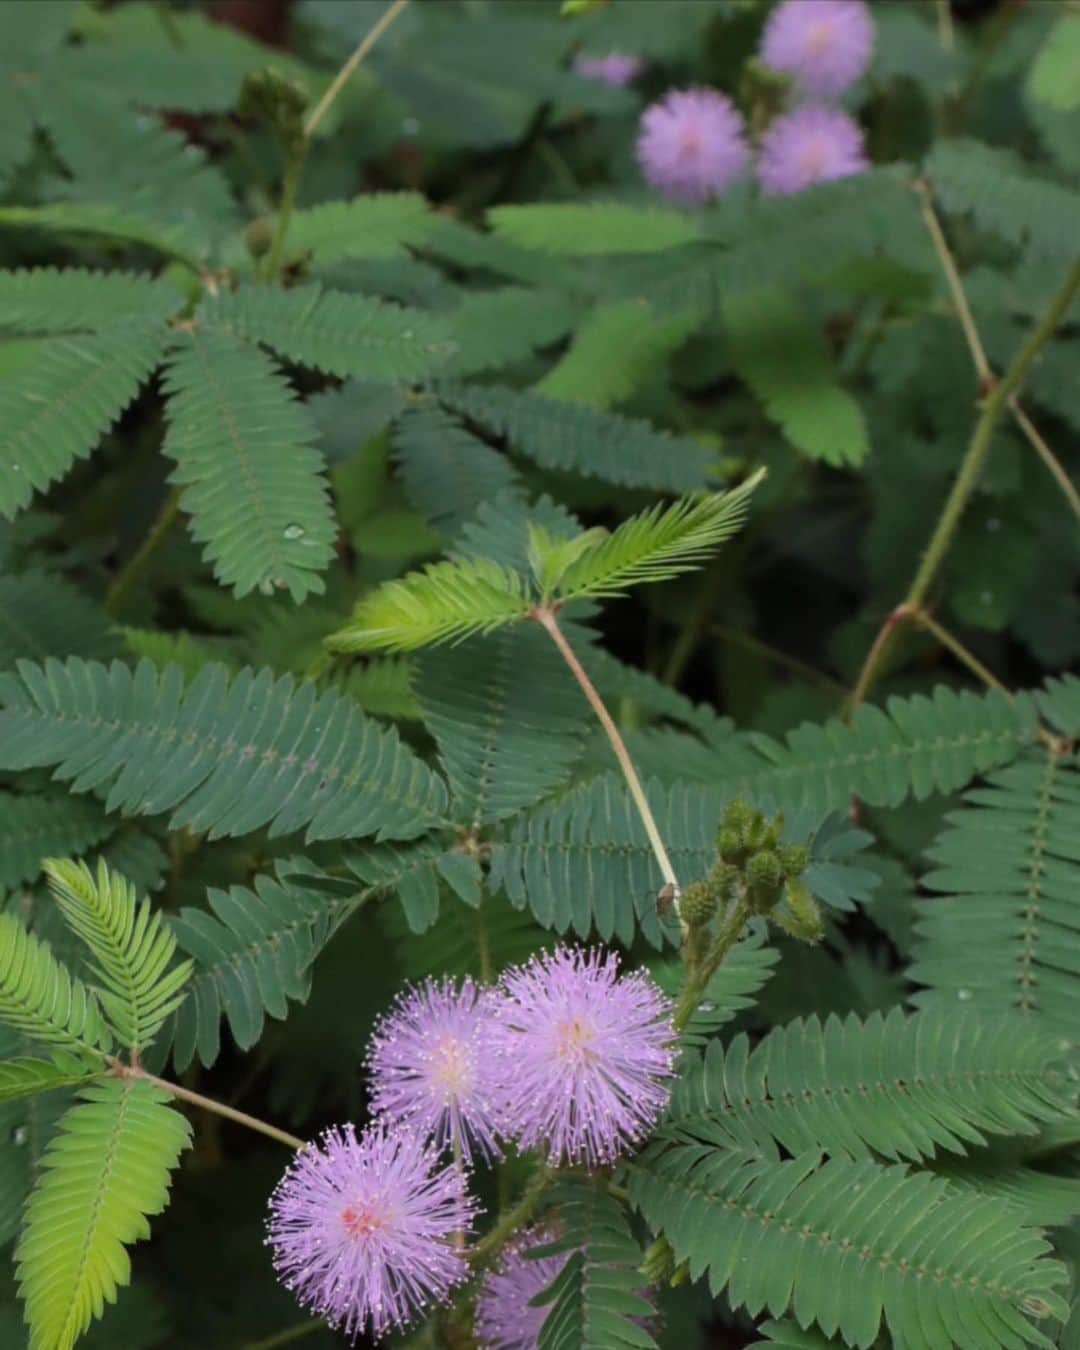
[738,815]
[658,1263]
[258,237]
[732,847]
[803,916]
[764,877]
[794,859]
[698,904]
[722,878]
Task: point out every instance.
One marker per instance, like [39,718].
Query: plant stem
[957,648]
[130,572]
[298,153]
[945,25]
[344,74]
[547,620]
[978,352]
[993,405]
[289,1336]
[285,210]
[208,1104]
[511,1220]
[730,931]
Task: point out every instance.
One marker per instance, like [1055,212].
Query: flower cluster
[505,1319]
[693,145]
[564,1056]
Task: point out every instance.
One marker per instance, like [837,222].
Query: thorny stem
[994,404]
[547,620]
[288,201]
[208,1104]
[996,29]
[978,351]
[130,572]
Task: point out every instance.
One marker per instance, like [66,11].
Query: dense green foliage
[295,496]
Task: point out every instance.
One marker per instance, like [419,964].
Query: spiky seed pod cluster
[765,871]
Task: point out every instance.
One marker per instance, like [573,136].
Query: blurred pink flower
[616,69]
[692,145]
[825,45]
[807,146]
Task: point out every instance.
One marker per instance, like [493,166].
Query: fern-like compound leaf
[42,1000]
[334,332]
[658,544]
[1002,931]
[27,1077]
[497,328]
[132,948]
[448,472]
[254,486]
[783,357]
[376,225]
[253,949]
[615,349]
[49,300]
[900,1087]
[35,826]
[445,602]
[57,407]
[847,1245]
[507,717]
[106,1170]
[559,435]
[225,755]
[593,228]
[42,614]
[598,1294]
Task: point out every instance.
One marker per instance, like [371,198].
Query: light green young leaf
[26,1077]
[581,230]
[1054,78]
[658,544]
[445,602]
[106,1170]
[131,946]
[39,997]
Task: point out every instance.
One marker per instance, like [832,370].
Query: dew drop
[19,1135]
[964,995]
[294,531]
[707,1007]
[410,125]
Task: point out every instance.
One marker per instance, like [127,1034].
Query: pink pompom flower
[810,145]
[824,45]
[616,69]
[583,1054]
[363,1229]
[692,145]
[430,1067]
[504,1319]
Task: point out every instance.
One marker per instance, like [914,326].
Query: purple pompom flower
[807,146]
[504,1320]
[430,1067]
[583,1055]
[824,45]
[692,145]
[363,1229]
[616,69]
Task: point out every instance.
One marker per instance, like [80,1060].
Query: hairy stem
[288,201]
[696,984]
[547,620]
[993,406]
[209,1104]
[136,564]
